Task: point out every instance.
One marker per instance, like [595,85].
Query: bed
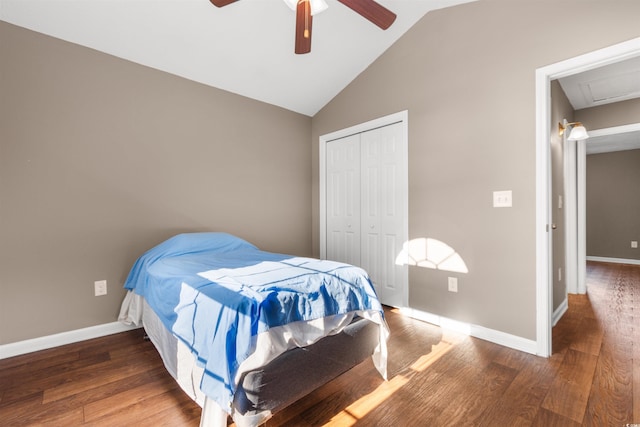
[247,332]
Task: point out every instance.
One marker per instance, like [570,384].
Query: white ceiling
[245,48]
[605,85]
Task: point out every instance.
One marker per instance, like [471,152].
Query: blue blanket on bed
[216,292]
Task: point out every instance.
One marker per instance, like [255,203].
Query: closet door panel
[382,210]
[370,145]
[343,200]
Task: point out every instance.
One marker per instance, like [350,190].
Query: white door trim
[570,212]
[579,221]
[402,117]
[544,263]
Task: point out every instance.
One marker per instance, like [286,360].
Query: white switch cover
[634,244]
[502,199]
[100,287]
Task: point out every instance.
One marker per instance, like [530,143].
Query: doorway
[605,140]
[544,270]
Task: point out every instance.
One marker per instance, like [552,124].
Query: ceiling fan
[305,9]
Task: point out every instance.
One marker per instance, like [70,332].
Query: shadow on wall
[431,253]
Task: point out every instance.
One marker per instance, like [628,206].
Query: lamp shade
[317,6]
[578,133]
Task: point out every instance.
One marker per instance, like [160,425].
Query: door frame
[399,117]
[570,149]
[544,262]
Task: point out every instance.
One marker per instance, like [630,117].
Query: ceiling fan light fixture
[305,9]
[317,6]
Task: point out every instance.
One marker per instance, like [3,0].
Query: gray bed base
[299,371]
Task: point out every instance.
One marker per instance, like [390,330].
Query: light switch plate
[502,199]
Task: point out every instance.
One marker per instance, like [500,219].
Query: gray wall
[101,159]
[467,77]
[613,204]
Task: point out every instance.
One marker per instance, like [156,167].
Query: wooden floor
[436,378]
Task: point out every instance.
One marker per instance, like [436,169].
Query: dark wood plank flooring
[436,377]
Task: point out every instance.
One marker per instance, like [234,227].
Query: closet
[365,205]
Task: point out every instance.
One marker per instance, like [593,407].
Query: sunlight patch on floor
[426,360]
[350,415]
[360,408]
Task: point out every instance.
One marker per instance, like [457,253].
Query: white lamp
[578,131]
[317,6]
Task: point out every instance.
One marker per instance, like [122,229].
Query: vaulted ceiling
[246,47]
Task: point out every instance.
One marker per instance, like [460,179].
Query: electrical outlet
[453,284]
[100,287]
[634,244]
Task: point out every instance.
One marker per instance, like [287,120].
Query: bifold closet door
[364,206]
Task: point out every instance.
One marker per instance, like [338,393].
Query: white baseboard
[491,335]
[614,260]
[56,340]
[560,311]
[50,341]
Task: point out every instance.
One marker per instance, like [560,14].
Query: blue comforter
[216,292]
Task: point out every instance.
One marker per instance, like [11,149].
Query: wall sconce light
[578,131]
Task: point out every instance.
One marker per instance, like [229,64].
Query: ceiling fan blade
[221,3]
[373,11]
[303,27]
